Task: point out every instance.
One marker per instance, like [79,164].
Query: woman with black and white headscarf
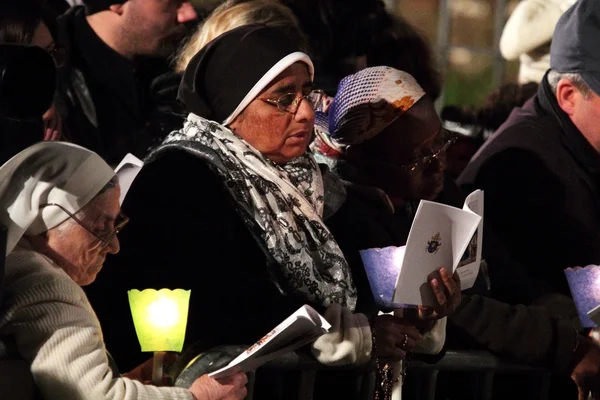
[231,207]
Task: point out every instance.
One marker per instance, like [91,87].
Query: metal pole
[307,384]
[443,45]
[498,61]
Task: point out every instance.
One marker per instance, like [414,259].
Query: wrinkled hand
[143,372]
[447,295]
[394,337]
[232,388]
[586,373]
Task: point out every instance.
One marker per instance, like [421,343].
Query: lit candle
[160,320]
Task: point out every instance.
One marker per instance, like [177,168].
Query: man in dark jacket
[114,55]
[541,175]
[541,171]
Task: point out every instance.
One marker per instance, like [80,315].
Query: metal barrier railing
[479,370]
[3,238]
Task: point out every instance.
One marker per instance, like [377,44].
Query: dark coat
[367,220]
[110,104]
[541,181]
[185,233]
[527,334]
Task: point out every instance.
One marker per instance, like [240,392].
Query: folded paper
[439,237]
[468,267]
[301,328]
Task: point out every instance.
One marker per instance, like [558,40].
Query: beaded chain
[385,374]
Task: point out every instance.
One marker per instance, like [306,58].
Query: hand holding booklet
[440,236]
[299,329]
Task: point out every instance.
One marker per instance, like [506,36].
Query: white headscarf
[47,172]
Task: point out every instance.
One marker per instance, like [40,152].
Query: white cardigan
[59,336]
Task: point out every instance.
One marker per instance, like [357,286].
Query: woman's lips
[299,136]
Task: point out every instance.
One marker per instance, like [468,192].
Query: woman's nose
[113,246]
[437,163]
[305,112]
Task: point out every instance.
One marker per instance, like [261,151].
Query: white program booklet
[439,237]
[468,267]
[301,328]
[127,170]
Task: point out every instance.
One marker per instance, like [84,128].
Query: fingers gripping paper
[440,236]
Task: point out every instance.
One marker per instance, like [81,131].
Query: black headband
[222,73]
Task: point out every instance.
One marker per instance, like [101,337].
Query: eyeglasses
[445,140]
[104,239]
[290,102]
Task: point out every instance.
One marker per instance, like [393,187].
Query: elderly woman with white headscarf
[60,205]
[231,206]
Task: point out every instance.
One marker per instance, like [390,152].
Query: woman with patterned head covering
[231,206]
[385,140]
[382,136]
[382,124]
[60,205]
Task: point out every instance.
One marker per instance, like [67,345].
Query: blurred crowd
[279,138]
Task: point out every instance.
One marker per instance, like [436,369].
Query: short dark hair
[338,31]
[501,102]
[404,47]
[19,20]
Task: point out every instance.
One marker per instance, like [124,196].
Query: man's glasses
[445,140]
[104,239]
[290,102]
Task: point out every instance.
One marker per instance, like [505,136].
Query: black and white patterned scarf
[285,203]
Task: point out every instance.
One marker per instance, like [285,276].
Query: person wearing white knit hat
[60,205]
[528,33]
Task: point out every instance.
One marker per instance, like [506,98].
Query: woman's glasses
[445,140]
[104,238]
[290,102]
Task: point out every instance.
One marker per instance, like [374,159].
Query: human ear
[117,8]
[568,96]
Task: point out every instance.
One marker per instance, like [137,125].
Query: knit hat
[370,100]
[574,47]
[365,104]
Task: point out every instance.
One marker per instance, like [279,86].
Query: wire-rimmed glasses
[290,102]
[104,239]
[446,139]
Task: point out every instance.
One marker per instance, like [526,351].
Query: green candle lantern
[160,319]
